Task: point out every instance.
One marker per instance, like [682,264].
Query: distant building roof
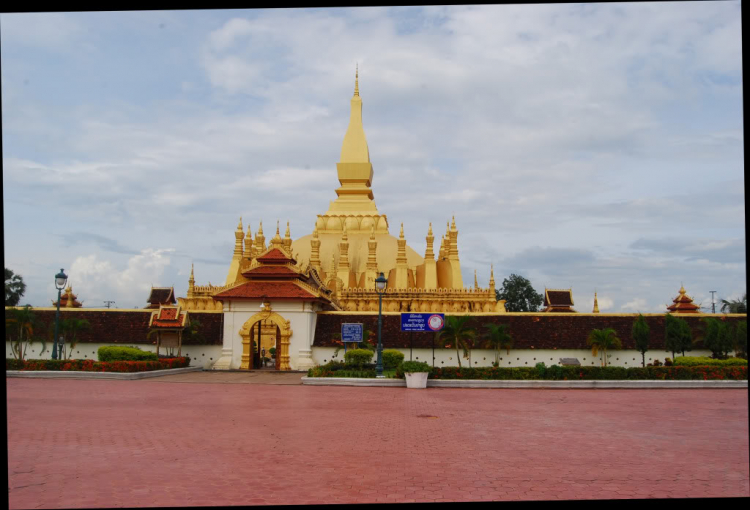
[161,296]
[558,300]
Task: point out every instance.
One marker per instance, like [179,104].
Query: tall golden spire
[596,304]
[476,285]
[238,234]
[249,243]
[492,278]
[428,253]
[287,242]
[356,81]
[354,149]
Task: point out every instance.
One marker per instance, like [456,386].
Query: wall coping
[72,374]
[528,384]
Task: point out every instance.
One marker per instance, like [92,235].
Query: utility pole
[108,303]
[713,305]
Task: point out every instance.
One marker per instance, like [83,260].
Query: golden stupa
[351,244]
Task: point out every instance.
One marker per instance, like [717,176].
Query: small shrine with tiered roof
[683,303]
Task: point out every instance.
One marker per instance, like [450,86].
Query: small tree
[686,337]
[499,338]
[70,328]
[601,340]
[673,334]
[19,329]
[725,340]
[709,336]
[457,333]
[740,339]
[519,295]
[641,336]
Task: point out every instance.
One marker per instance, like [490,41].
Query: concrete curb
[122,376]
[476,383]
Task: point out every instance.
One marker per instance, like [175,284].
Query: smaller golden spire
[596,304]
[277,229]
[287,234]
[429,230]
[192,272]
[401,234]
[476,285]
[492,277]
[239,226]
[453,224]
[260,228]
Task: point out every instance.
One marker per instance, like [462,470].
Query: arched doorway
[274,330]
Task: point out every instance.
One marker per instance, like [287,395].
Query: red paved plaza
[85,443]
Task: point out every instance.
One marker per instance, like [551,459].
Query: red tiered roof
[276,277]
[270,290]
[683,304]
[168,317]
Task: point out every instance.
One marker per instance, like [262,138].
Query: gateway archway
[268,320]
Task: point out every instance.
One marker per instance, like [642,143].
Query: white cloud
[96,280]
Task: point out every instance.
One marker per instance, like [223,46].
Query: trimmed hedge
[339,369]
[116,353]
[392,358]
[557,373]
[89,365]
[697,361]
[358,357]
[412,367]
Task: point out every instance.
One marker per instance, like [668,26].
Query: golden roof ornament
[596,304]
[356,80]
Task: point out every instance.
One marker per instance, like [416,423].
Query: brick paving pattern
[97,444]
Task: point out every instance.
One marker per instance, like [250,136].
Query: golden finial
[192,271]
[239,226]
[596,304]
[429,230]
[356,80]
[287,234]
[277,228]
[260,228]
[401,234]
[453,225]
[476,285]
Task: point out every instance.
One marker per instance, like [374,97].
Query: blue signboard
[351,332]
[422,321]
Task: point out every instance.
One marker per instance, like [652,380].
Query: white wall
[518,357]
[200,355]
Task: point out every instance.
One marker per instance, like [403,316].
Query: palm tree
[499,338]
[455,332]
[601,340]
[70,328]
[735,305]
[19,325]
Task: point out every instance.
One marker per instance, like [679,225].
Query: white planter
[416,379]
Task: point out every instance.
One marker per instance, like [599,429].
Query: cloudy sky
[592,146]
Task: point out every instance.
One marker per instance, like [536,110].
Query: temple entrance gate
[274,330]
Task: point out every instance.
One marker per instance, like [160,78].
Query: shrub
[695,361]
[392,358]
[358,357]
[13,364]
[412,367]
[668,362]
[117,353]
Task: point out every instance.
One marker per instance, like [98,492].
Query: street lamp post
[380,284]
[60,279]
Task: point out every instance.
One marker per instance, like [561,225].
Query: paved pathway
[85,444]
[238,377]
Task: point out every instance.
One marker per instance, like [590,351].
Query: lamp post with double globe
[60,279]
[380,284]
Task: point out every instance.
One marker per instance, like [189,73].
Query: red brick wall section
[130,327]
[540,331]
